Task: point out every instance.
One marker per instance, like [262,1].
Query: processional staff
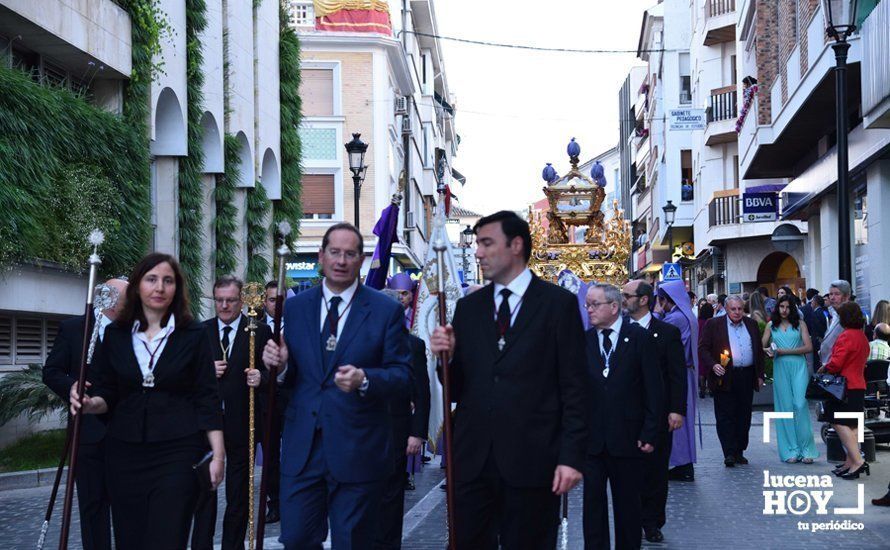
[252,295]
[283,251]
[96,238]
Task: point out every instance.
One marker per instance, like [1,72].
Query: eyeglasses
[227,301]
[630,296]
[594,305]
[336,254]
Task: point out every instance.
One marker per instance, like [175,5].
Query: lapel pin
[626,339]
[656,335]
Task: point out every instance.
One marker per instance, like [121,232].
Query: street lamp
[670,211]
[466,241]
[356,150]
[840,22]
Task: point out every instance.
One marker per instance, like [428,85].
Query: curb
[29,479]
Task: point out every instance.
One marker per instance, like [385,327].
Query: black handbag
[826,386]
[202,470]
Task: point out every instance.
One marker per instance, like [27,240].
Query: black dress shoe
[409,485]
[740,459]
[653,535]
[272,516]
[883,501]
[426,459]
[854,474]
[729,462]
[840,470]
[680,476]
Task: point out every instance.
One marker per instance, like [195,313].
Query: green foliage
[191,166]
[25,392]
[257,234]
[150,23]
[40,450]
[226,213]
[49,137]
[289,207]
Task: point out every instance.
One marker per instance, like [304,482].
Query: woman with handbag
[155,378]
[787,340]
[847,359]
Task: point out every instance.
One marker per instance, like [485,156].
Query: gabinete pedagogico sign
[687,119]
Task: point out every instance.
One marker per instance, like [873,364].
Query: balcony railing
[723,104]
[725,208]
[719,7]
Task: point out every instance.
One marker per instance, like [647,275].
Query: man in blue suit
[346,353]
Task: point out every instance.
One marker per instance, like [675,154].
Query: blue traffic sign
[671,272]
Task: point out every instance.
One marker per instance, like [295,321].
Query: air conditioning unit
[406,126]
[401,105]
[409,220]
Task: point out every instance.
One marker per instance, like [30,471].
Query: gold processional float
[559,250]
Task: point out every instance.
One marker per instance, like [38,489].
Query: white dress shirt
[155,345]
[616,328]
[234,326]
[343,308]
[645,321]
[517,287]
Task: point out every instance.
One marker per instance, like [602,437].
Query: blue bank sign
[760,207]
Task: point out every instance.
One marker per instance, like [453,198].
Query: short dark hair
[645,289]
[513,226]
[820,301]
[763,291]
[346,227]
[793,315]
[880,334]
[811,292]
[228,280]
[850,315]
[721,299]
[271,284]
[705,311]
[179,307]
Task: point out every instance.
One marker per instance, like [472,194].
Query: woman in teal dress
[787,341]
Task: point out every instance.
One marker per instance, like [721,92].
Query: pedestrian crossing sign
[671,272]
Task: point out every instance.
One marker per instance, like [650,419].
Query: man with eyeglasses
[625,419]
[231,358]
[347,355]
[638,297]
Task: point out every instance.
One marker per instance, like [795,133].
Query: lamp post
[670,211]
[466,241]
[356,150]
[840,22]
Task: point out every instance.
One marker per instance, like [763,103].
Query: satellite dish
[787,237]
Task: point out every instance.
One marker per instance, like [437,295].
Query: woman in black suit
[155,378]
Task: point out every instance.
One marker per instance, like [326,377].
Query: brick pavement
[722,509]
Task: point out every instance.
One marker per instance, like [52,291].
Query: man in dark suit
[273,462]
[518,378]
[626,419]
[638,298]
[60,372]
[347,355]
[230,342]
[410,423]
[731,347]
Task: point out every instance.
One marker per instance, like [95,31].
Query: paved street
[723,508]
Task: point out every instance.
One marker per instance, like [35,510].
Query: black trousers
[625,480]
[272,458]
[153,491]
[92,497]
[392,509]
[488,511]
[655,481]
[732,410]
[235,517]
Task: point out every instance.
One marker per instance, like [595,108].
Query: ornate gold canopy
[575,200]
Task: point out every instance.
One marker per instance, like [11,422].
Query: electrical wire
[532,48]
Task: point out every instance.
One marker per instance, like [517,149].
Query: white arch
[245,155]
[271,175]
[170,131]
[212,144]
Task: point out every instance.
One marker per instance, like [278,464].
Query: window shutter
[318,194]
[52,329]
[317,92]
[5,340]
[28,340]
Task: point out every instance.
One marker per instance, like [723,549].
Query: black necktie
[607,345]
[331,321]
[504,314]
[225,342]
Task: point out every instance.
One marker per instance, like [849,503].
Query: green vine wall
[226,223]
[255,216]
[191,167]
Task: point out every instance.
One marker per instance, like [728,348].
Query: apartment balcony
[722,115]
[726,223]
[876,71]
[720,21]
[725,208]
[80,37]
